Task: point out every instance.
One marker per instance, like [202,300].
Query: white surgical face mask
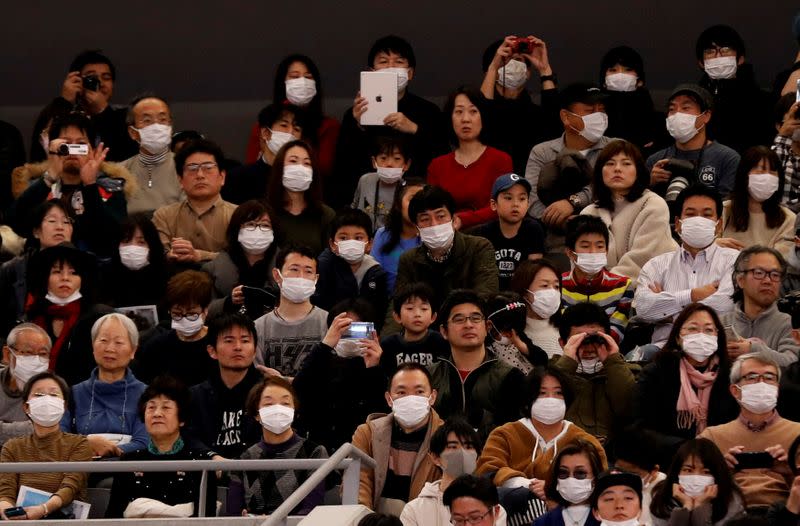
[255,242]
[26,367]
[621,82]
[52,298]
[695,485]
[188,328]
[720,67]
[548,410]
[762,186]
[155,138]
[297,178]
[698,232]
[590,366]
[459,461]
[297,290]
[574,490]
[277,139]
[682,126]
[513,75]
[759,398]
[438,236]
[402,77]
[591,262]
[348,349]
[389,175]
[699,346]
[276,418]
[545,302]
[46,410]
[411,410]
[134,257]
[594,126]
[300,91]
[351,250]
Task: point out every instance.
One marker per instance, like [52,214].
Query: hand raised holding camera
[339,325]
[72,86]
[537,55]
[372,351]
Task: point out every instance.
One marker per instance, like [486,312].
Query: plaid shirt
[791,167]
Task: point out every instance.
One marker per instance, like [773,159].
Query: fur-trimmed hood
[24,175]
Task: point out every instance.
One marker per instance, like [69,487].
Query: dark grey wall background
[215,60]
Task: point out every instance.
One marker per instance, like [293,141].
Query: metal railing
[348,457]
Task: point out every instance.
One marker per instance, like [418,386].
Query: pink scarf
[693,407]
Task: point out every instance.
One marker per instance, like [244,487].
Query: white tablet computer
[380,90]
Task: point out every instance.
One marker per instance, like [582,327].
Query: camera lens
[63,150]
[675,187]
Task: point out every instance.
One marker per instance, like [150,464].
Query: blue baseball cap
[506,181]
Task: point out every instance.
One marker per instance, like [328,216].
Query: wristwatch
[551,76]
[575,201]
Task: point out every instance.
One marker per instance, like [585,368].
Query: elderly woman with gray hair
[104,407]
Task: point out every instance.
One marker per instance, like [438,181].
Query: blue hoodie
[100,407]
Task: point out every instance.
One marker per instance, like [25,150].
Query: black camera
[91,82]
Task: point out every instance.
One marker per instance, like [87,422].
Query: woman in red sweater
[469,172]
[297,81]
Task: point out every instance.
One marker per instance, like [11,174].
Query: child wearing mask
[287,334]
[346,270]
[590,280]
[455,447]
[514,236]
[375,191]
[414,308]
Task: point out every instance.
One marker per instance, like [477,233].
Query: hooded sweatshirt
[429,510]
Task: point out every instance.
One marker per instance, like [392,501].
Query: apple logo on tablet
[379,98]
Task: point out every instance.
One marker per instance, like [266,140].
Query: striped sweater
[611,292]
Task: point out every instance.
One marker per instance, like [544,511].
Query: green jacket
[471,265]
[603,398]
[491,395]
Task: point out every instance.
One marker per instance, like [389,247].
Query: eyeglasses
[190,316]
[63,222]
[193,168]
[769,378]
[580,474]
[460,319]
[264,227]
[760,273]
[717,51]
[472,519]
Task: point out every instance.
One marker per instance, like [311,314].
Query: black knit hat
[612,478]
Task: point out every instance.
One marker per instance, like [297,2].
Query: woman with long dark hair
[50,224]
[637,219]
[685,388]
[400,233]
[138,270]
[755,215]
[295,195]
[699,488]
[60,287]
[246,261]
[298,82]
